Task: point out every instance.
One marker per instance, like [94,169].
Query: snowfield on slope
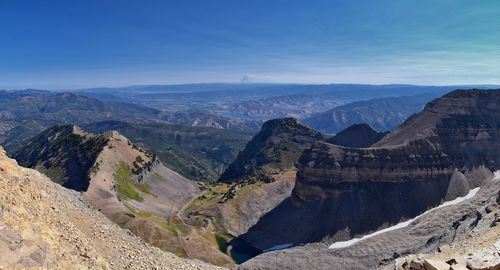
[471,194]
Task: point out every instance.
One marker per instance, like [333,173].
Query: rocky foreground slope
[127,184]
[46,226]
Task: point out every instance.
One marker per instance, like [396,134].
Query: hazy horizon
[487,86]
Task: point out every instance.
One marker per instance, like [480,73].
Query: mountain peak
[69,154]
[276,148]
[357,135]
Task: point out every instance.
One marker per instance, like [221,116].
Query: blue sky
[86,43]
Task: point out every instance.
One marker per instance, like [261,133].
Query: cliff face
[276,148]
[65,153]
[436,155]
[458,131]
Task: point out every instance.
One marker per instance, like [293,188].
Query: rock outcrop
[448,148]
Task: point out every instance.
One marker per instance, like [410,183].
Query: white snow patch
[278,247]
[496,175]
[472,193]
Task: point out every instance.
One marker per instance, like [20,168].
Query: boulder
[484,261]
[458,267]
[435,265]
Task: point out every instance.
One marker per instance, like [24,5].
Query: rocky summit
[357,136]
[449,148]
[275,149]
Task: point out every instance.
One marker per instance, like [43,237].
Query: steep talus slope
[46,226]
[275,148]
[442,152]
[357,136]
[263,174]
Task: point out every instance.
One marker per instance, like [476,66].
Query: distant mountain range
[200,149]
[256,101]
[382,114]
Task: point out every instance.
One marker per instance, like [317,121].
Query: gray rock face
[64,153]
[343,192]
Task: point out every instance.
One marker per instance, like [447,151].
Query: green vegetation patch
[125,185]
[144,188]
[222,243]
[56,174]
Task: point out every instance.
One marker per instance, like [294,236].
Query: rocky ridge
[44,225]
[129,186]
[65,153]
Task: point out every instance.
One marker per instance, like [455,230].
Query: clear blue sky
[85,43]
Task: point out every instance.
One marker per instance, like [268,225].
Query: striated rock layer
[436,155]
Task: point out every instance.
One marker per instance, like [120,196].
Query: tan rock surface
[45,226]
